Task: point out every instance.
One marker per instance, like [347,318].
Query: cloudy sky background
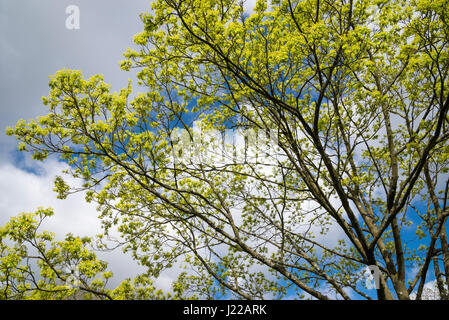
[34,44]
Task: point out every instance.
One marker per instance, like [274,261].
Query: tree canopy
[272,154]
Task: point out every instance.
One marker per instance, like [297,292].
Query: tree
[68,270]
[353,97]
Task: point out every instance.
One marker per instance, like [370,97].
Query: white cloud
[24,191]
[430,292]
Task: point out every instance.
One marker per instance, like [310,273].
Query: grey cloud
[34,43]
